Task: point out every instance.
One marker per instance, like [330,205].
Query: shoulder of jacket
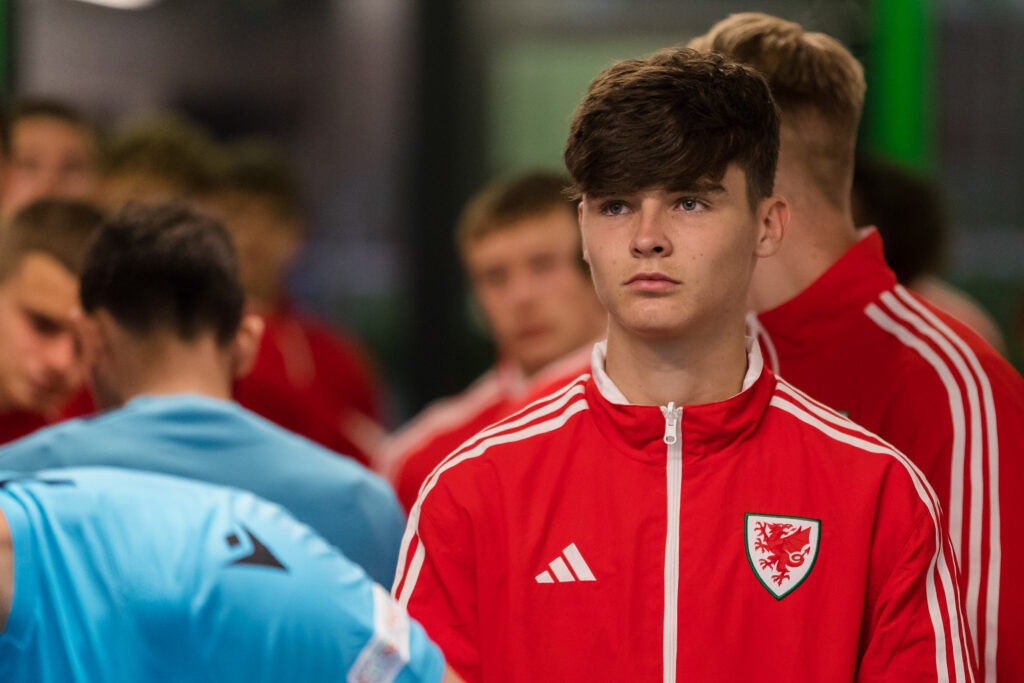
[532,429]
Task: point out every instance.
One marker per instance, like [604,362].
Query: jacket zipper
[674,482]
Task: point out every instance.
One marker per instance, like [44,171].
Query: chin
[532,362]
[655,327]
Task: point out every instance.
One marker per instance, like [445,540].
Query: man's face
[121,187]
[671,265]
[39,365]
[536,298]
[49,157]
[265,240]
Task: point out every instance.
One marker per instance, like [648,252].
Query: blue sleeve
[367,524]
[58,445]
[329,616]
[177,580]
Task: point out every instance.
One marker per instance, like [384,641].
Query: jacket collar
[513,383]
[844,289]
[638,431]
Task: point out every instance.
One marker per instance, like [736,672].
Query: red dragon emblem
[787,546]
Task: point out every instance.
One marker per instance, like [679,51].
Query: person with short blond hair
[309,376]
[42,248]
[832,320]
[158,158]
[49,148]
[520,247]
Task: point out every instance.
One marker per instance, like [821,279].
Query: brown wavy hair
[669,120]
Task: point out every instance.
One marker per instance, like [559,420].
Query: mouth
[48,387]
[652,282]
[528,333]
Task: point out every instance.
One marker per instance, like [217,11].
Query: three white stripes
[562,406]
[924,323]
[809,412]
[561,570]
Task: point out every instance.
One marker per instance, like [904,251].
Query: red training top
[415,450]
[860,343]
[312,380]
[587,539]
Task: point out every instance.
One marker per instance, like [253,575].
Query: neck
[170,366]
[817,235]
[688,372]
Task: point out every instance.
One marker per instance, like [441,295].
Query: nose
[522,287]
[649,235]
[48,182]
[63,358]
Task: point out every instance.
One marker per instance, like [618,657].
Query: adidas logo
[561,570]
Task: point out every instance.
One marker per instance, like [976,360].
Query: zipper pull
[671,414]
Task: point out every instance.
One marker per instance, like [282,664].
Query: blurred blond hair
[818,84]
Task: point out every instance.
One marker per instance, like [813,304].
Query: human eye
[543,263]
[44,326]
[492,278]
[72,167]
[691,204]
[614,207]
[26,164]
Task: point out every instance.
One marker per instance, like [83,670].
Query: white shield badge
[781,550]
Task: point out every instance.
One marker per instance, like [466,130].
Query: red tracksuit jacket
[414,451]
[585,539]
[313,380]
[927,384]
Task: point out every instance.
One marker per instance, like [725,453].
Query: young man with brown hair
[50,149]
[161,158]
[308,376]
[520,245]
[680,513]
[832,320]
[42,248]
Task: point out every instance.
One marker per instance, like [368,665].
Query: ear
[772,218]
[93,335]
[246,344]
[579,219]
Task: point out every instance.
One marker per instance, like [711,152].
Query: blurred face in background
[48,157]
[117,189]
[529,279]
[266,240]
[39,361]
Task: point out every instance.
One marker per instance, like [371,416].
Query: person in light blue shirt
[114,575]
[163,336]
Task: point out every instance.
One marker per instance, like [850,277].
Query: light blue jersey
[222,443]
[129,576]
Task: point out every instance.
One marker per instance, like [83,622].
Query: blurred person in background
[163,336]
[908,212]
[520,246]
[50,149]
[308,376]
[42,249]
[158,159]
[833,320]
[110,575]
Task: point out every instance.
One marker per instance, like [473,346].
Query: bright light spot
[124,4]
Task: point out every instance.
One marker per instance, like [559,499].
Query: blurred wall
[397,110]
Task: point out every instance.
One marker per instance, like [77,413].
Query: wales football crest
[781,550]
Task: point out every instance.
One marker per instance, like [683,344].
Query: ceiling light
[124,4]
